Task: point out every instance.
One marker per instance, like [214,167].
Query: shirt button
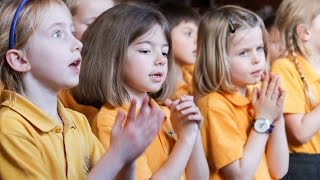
[58,130]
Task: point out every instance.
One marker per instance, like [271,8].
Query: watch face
[261,125]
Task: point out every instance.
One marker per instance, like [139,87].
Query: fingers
[131,116]
[271,86]
[118,123]
[264,87]
[254,95]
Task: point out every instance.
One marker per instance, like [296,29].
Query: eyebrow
[57,24]
[148,42]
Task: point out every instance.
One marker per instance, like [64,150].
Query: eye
[165,54]
[260,48]
[57,34]
[243,53]
[188,33]
[145,51]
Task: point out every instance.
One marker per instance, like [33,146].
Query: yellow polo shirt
[69,102]
[295,100]
[156,153]
[34,146]
[225,130]
[185,87]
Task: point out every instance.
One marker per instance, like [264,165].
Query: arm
[185,117]
[266,105]
[277,150]
[197,167]
[302,127]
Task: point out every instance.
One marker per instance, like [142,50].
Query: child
[84,12]
[238,137]
[127,55]
[298,23]
[183,22]
[39,138]
[276,48]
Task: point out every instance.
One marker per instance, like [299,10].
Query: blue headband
[14,23]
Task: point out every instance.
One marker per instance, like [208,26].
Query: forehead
[55,13]
[93,8]
[155,34]
[247,36]
[187,24]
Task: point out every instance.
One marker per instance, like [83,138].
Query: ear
[17,60]
[303,32]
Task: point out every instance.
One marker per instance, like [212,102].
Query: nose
[161,60]
[256,59]
[77,45]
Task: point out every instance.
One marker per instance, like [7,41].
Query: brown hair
[105,50]
[290,14]
[212,68]
[27,23]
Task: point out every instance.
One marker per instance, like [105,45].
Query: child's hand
[138,132]
[185,116]
[268,102]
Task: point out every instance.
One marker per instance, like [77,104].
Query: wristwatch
[262,125]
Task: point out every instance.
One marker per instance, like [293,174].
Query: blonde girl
[127,55]
[243,138]
[39,138]
[84,12]
[299,24]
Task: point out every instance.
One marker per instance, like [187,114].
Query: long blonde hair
[212,68]
[290,14]
[27,23]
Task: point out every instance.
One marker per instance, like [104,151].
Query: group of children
[157,92]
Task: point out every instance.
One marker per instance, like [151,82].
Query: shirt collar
[34,114]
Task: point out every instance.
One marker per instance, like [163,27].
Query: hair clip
[231,27]
[14,23]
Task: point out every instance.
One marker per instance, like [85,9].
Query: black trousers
[303,167]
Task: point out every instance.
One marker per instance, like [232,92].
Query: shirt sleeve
[20,159]
[295,101]
[224,142]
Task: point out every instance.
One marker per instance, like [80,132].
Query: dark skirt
[303,167]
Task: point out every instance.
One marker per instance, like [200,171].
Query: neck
[314,61]
[242,91]
[42,97]
[178,72]
[137,95]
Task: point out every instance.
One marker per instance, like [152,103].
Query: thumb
[168,103]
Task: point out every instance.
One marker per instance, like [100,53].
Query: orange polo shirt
[295,101]
[226,127]
[185,87]
[156,153]
[35,146]
[69,102]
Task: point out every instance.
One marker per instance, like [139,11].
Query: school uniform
[228,120]
[184,87]
[304,158]
[35,146]
[157,152]
[69,102]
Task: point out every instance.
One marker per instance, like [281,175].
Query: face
[184,43]
[275,47]
[87,11]
[53,52]
[146,67]
[247,57]
[315,35]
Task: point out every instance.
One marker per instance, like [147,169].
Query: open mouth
[75,65]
